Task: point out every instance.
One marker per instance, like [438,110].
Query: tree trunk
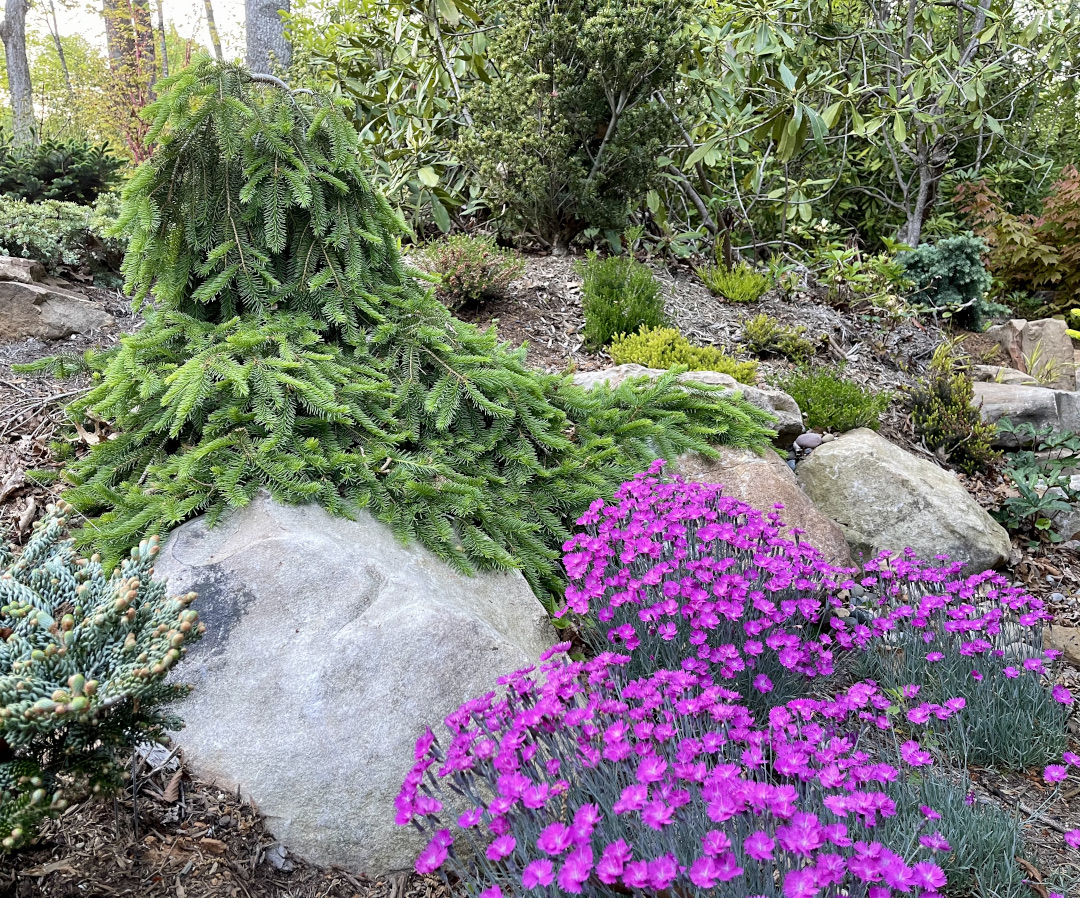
[932,161]
[164,43]
[264,30]
[118,32]
[54,30]
[13,34]
[144,39]
[211,23]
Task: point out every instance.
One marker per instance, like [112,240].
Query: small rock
[809,440]
[828,437]
[997,374]
[225,822]
[1057,597]
[33,310]
[1065,640]
[791,463]
[24,271]
[277,857]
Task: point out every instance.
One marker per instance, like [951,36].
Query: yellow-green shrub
[739,284]
[665,347]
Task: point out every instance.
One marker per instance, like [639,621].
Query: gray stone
[24,271]
[32,310]
[884,498]
[789,423]
[828,437]
[330,646]
[1065,640]
[999,375]
[1042,348]
[1038,406]
[809,440]
[762,481]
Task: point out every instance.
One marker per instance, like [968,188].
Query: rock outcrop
[884,498]
[330,647]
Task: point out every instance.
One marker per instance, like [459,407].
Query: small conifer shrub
[950,279]
[943,415]
[619,296]
[834,403]
[83,661]
[767,336]
[290,349]
[739,284]
[665,347]
[470,268]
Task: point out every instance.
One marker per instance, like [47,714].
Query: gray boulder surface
[789,422]
[330,646]
[884,498]
[1041,347]
[761,481]
[48,313]
[1021,404]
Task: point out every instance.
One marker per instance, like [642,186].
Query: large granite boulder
[1038,406]
[763,481]
[884,498]
[35,310]
[789,422]
[330,646]
[1042,348]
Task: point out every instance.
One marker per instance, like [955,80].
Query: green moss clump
[740,284]
[767,336]
[665,347]
[833,403]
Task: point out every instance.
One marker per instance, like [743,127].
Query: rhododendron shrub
[678,575]
[582,781]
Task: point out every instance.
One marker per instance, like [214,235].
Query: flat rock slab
[25,271]
[789,422]
[47,313]
[762,481]
[330,646]
[1023,404]
[884,498]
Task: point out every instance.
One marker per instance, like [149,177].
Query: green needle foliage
[83,666]
[289,348]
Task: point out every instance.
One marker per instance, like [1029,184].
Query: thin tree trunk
[118,32]
[164,43]
[211,23]
[54,30]
[264,31]
[13,34]
[145,43]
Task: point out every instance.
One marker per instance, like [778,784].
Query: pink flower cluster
[584,782]
[692,761]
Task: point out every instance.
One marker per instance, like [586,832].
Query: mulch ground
[173,835]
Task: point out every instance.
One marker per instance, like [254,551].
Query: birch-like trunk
[264,31]
[13,34]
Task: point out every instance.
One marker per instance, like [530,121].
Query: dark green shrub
[767,336]
[470,269]
[739,284]
[83,662]
[951,280]
[290,349]
[60,235]
[619,296]
[69,171]
[665,347]
[568,130]
[833,403]
[942,413]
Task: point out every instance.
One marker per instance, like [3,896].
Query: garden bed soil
[189,839]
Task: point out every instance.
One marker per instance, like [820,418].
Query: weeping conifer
[288,347]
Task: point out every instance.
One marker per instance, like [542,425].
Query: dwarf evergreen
[83,665]
[288,347]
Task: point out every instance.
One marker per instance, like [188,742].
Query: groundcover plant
[719,741]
